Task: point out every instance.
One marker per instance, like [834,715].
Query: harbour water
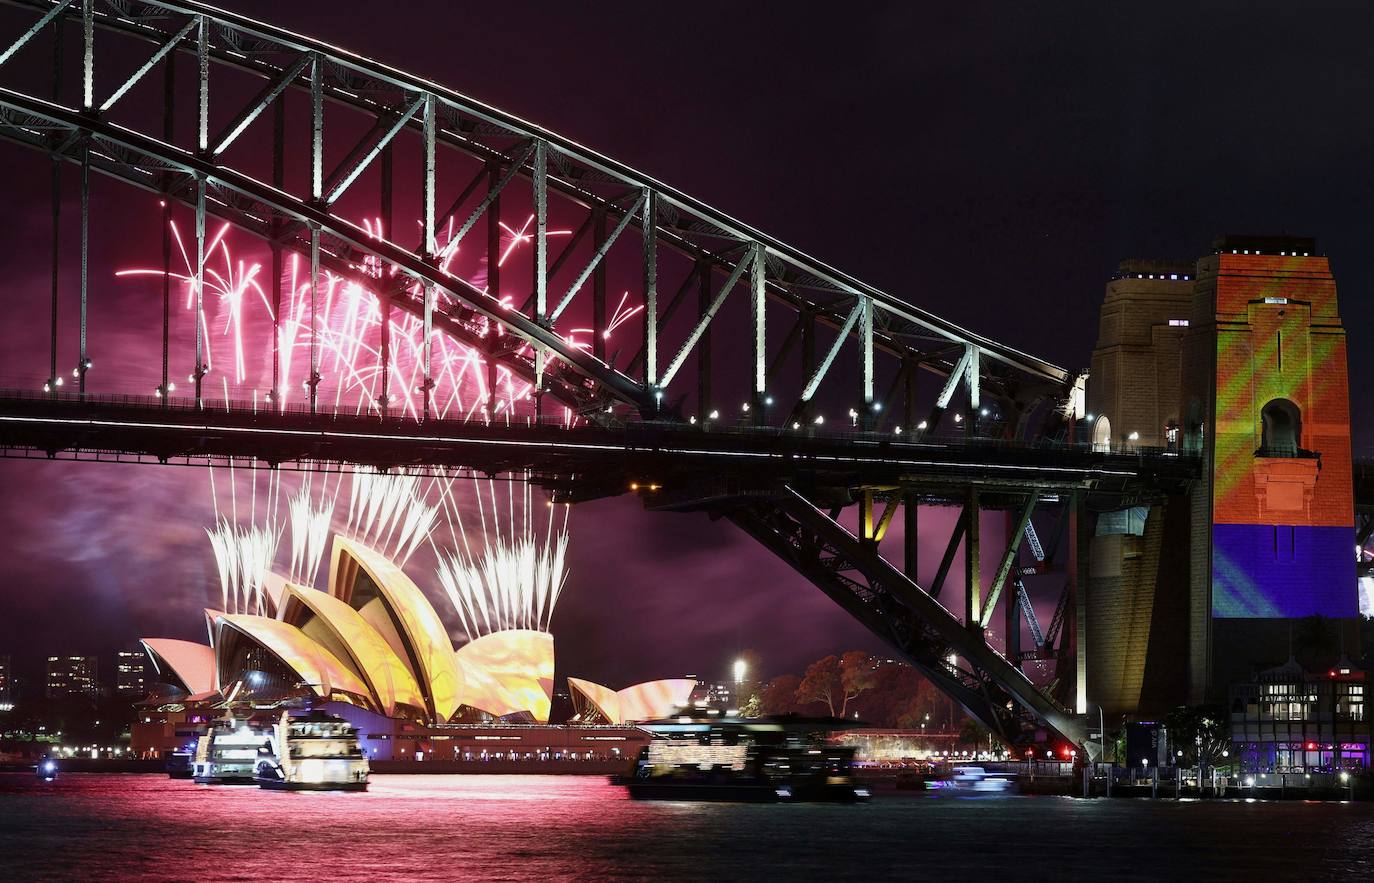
[99,827]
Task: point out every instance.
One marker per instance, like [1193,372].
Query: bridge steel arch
[871,321]
[724,254]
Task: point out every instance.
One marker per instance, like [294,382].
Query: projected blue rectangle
[1262,570]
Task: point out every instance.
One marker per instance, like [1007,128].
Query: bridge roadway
[688,465]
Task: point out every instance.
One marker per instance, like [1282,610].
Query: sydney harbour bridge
[744,378]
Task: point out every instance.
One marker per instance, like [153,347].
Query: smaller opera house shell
[373,640]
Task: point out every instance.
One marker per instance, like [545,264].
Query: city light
[741,667]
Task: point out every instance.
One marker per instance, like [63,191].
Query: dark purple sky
[986,161]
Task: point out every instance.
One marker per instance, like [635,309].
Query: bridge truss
[190,103]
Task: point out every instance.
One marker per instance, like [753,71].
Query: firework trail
[387,511]
[347,329]
[510,581]
[243,556]
[310,521]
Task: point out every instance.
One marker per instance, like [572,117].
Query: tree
[894,685]
[974,734]
[834,681]
[922,706]
[780,696]
[822,683]
[1203,730]
[858,673]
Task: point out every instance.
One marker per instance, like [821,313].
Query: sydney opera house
[372,648]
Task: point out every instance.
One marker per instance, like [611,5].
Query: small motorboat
[46,769]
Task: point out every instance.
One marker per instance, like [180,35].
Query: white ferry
[229,753]
[314,752]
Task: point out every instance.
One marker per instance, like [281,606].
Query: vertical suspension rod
[431,246]
[168,133]
[759,269]
[58,29]
[314,380]
[650,217]
[83,357]
[704,343]
[199,373]
[203,85]
[278,181]
[202,144]
[599,285]
[87,54]
[51,385]
[384,400]
[493,272]
[541,260]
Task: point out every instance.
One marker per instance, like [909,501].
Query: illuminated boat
[181,764]
[229,753]
[46,769]
[759,760]
[314,752]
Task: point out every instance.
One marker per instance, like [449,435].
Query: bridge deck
[584,461]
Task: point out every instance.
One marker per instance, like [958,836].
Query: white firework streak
[244,555]
[387,511]
[508,582]
[310,523]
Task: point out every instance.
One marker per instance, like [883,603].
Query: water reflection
[561,827]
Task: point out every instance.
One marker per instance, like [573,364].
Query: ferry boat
[769,760]
[314,752]
[228,753]
[181,764]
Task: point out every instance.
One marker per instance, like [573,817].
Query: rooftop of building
[1271,243]
[1158,270]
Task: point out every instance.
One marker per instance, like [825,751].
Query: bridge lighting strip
[576,446]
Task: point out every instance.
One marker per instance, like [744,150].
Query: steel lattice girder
[892,606]
[682,223]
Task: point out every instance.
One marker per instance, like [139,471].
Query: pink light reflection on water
[125,827]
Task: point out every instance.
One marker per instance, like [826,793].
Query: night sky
[988,162]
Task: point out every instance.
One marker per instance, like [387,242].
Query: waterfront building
[71,677]
[162,726]
[7,690]
[1289,720]
[494,746]
[131,677]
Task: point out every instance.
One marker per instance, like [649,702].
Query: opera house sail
[371,639]
[374,641]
